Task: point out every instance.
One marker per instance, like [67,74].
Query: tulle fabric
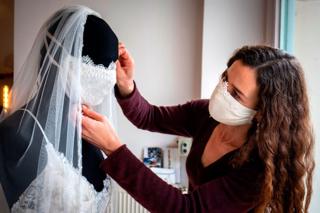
[50,95]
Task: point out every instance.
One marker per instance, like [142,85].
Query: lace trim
[97,71]
[35,197]
[97,81]
[87,60]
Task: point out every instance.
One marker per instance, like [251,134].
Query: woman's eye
[235,95]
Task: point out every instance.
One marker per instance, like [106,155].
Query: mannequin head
[100,44]
[99,41]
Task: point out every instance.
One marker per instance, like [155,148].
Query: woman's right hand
[125,70]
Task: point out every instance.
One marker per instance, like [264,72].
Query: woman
[252,141]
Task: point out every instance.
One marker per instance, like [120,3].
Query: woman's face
[242,84]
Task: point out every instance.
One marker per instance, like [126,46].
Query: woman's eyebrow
[238,91]
[235,88]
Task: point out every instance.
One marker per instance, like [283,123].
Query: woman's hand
[125,70]
[97,130]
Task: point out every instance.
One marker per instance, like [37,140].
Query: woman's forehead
[243,77]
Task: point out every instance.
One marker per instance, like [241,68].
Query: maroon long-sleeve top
[218,187]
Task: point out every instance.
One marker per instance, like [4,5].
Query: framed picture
[153,157]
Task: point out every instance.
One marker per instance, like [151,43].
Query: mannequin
[101,45]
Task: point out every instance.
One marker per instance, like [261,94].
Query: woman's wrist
[125,88]
[110,150]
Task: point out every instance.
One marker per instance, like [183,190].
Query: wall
[163,36]
[229,25]
[307,47]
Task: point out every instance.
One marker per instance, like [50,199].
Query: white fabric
[226,109]
[97,81]
[61,194]
[68,191]
[49,90]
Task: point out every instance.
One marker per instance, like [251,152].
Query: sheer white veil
[48,91]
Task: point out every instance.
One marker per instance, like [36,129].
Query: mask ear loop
[224,76]
[256,123]
[225,87]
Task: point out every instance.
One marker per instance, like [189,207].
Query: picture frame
[153,157]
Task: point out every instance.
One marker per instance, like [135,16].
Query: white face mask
[96,81]
[226,109]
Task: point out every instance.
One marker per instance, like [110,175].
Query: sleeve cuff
[114,154]
[120,97]
[129,102]
[119,160]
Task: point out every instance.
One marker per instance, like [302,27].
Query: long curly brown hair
[283,136]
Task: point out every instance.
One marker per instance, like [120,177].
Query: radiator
[124,203]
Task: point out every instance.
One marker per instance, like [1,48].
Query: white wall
[307,47]
[230,24]
[163,36]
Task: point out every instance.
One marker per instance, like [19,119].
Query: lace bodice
[66,190]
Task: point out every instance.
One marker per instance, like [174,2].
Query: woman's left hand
[97,130]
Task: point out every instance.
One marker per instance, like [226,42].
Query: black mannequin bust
[101,45]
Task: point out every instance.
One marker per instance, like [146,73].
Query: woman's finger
[121,44]
[85,135]
[118,66]
[92,114]
[85,122]
[124,54]
[121,50]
